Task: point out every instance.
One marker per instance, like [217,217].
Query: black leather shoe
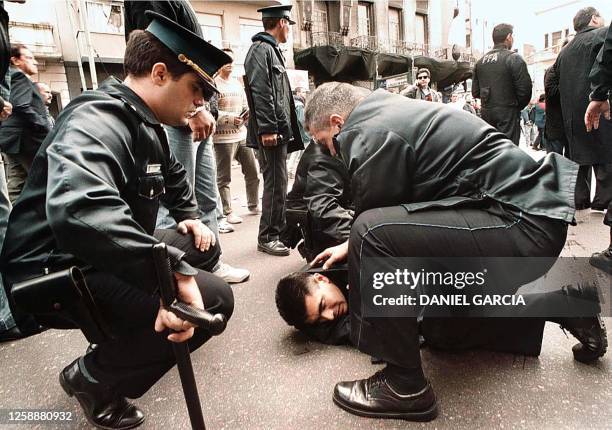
[602,260]
[275,247]
[373,397]
[102,407]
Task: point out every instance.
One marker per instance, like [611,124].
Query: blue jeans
[199,162]
[7,321]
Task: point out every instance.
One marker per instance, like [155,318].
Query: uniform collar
[115,88]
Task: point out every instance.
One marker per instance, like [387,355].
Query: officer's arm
[88,161]
[258,73]
[475,84]
[521,79]
[179,196]
[601,73]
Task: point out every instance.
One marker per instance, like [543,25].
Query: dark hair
[16,49]
[270,23]
[143,50]
[542,97]
[501,31]
[583,18]
[291,293]
[423,70]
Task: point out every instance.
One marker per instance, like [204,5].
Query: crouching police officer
[92,198]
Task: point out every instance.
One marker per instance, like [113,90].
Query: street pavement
[262,374]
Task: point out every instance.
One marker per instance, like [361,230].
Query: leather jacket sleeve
[475,84]
[324,194]
[22,100]
[601,73]
[88,163]
[521,79]
[179,197]
[258,73]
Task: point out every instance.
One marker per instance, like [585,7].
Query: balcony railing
[365,42]
[322,38]
[38,37]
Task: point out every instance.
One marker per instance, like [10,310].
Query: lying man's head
[309,298]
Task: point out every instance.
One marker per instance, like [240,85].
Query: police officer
[92,199]
[502,83]
[273,127]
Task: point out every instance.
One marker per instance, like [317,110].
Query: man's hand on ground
[269,139]
[188,293]
[203,237]
[202,125]
[331,256]
[593,113]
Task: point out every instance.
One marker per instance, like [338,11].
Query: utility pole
[90,54]
[74,32]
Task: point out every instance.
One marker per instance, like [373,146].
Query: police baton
[214,324]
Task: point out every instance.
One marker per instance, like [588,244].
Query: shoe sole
[420,416]
[275,253]
[70,392]
[233,281]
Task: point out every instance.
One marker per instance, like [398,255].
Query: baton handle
[214,324]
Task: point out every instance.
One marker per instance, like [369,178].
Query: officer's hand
[269,139]
[203,237]
[6,111]
[593,113]
[189,293]
[331,256]
[202,125]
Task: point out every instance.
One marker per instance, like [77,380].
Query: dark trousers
[273,162]
[506,120]
[17,169]
[556,145]
[603,186]
[461,231]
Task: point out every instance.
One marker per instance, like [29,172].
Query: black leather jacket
[271,102]
[407,152]
[24,131]
[93,192]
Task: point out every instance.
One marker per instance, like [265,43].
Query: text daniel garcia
[450,300]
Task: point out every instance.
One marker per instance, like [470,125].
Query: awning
[445,72]
[330,63]
[393,64]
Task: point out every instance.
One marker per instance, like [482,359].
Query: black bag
[62,300]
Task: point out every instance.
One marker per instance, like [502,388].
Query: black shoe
[11,334]
[275,247]
[102,407]
[602,260]
[374,398]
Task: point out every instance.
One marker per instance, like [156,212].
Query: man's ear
[336,119]
[160,74]
[320,278]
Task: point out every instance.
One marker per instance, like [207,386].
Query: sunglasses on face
[423,77]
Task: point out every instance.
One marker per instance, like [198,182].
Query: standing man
[592,151]
[92,200]
[230,142]
[422,91]
[273,127]
[47,96]
[502,83]
[22,134]
[601,85]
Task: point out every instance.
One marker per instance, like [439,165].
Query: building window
[566,33]
[546,41]
[105,17]
[365,25]
[421,32]
[395,24]
[468,41]
[320,22]
[248,29]
[556,38]
[212,28]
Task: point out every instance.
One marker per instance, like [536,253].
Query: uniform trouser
[603,186]
[274,165]
[17,168]
[224,154]
[7,321]
[138,356]
[505,120]
[462,231]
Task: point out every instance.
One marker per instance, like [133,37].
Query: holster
[62,300]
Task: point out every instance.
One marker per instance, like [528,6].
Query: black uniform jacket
[501,79]
[573,65]
[5,43]
[403,151]
[322,187]
[272,108]
[24,131]
[554,128]
[94,189]
[601,73]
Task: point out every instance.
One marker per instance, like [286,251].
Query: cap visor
[291,22]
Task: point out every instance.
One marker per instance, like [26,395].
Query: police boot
[589,330]
[102,407]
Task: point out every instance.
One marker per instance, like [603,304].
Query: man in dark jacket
[22,134]
[459,189]
[502,83]
[590,150]
[273,127]
[321,189]
[601,85]
[554,129]
[92,200]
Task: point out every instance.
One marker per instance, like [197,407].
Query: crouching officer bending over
[92,198]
